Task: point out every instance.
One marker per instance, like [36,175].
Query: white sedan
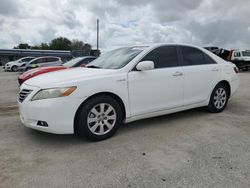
[125,85]
[14,65]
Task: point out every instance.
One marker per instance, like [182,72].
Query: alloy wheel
[220,98]
[101,119]
[14,69]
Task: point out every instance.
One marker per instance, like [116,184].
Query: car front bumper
[6,68]
[57,113]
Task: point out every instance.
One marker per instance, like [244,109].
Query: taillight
[236,70]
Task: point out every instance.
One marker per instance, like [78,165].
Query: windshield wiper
[93,66]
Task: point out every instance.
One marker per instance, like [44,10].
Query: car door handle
[178,73]
[215,69]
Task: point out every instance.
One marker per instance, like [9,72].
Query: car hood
[11,62]
[67,76]
[40,70]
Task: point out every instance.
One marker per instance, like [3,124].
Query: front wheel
[99,118]
[14,69]
[219,98]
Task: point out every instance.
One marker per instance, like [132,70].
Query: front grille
[23,94]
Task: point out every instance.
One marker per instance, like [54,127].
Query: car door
[41,61]
[157,89]
[48,61]
[35,63]
[201,73]
[54,61]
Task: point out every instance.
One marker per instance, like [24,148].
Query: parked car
[125,85]
[41,62]
[241,58]
[76,62]
[14,65]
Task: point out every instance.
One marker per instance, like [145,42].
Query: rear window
[51,59]
[194,56]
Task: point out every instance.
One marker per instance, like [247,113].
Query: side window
[165,56]
[208,59]
[193,56]
[37,61]
[26,60]
[54,59]
[49,59]
[41,60]
[236,54]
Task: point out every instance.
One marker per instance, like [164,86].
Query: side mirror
[145,65]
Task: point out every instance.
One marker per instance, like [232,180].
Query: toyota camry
[125,85]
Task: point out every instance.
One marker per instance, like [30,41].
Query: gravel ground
[187,149]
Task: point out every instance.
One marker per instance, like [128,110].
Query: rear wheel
[99,118]
[219,98]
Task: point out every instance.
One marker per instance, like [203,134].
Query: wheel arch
[113,95]
[225,82]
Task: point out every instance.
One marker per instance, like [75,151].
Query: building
[14,54]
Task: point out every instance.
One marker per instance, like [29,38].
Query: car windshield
[25,59]
[116,59]
[72,62]
[246,53]
[33,61]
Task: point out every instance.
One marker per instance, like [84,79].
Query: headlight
[53,93]
[35,65]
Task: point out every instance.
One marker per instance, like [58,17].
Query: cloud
[125,22]
[9,7]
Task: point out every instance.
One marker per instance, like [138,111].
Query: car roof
[154,45]
[47,57]
[42,57]
[26,57]
[84,57]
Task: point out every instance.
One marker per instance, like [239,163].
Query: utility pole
[97,34]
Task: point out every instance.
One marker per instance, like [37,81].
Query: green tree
[22,46]
[36,47]
[87,47]
[77,45]
[44,46]
[60,43]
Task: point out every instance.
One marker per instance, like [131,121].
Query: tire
[96,124]
[27,69]
[14,69]
[219,98]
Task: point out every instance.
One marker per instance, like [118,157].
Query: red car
[76,62]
